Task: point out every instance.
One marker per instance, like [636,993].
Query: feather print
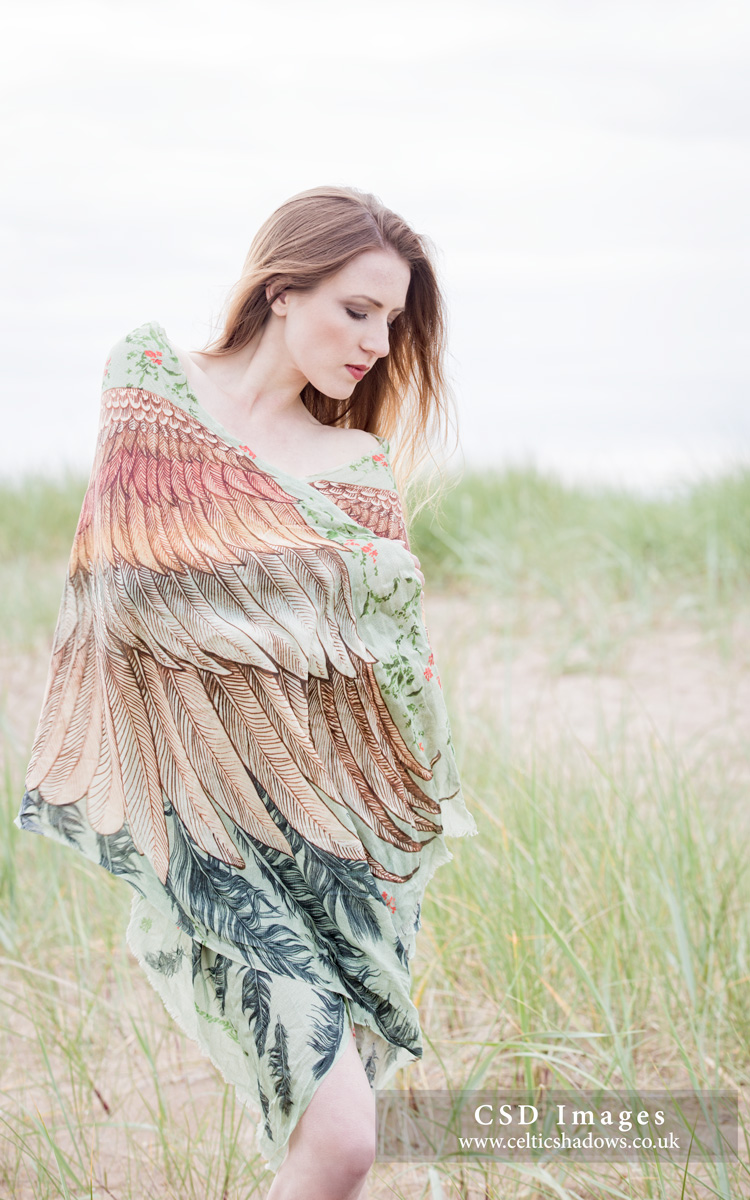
[340,884]
[278,1058]
[197,953]
[172,621]
[243,719]
[29,813]
[224,901]
[256,1004]
[217,972]
[164,963]
[65,825]
[265,1107]
[328,1030]
[117,854]
[395,1025]
[370,1065]
[300,901]
[304,888]
[378,509]
[401,953]
[67,822]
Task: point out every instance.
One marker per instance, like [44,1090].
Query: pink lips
[357,372]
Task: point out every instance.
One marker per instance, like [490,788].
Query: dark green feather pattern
[197,954]
[166,962]
[265,1106]
[256,1004]
[118,855]
[340,882]
[225,902]
[295,894]
[218,975]
[278,1057]
[300,884]
[328,1027]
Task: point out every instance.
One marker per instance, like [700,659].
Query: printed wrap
[244,720]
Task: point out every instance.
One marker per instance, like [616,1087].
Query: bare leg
[332,1147]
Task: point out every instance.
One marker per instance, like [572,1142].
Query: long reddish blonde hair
[404,396]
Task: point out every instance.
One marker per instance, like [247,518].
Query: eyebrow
[377,303]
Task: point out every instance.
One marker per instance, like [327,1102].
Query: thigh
[343,1106]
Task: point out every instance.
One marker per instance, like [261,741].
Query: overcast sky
[581,166]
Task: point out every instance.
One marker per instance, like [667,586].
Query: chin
[338,385]
[336,391]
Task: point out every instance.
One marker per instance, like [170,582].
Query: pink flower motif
[367,548]
[431,659]
[389,901]
[248,451]
[441,686]
[154,355]
[427,673]
[378,458]
[421,747]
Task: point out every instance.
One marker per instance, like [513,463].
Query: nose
[375,338]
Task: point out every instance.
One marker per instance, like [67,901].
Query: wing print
[378,509]
[207,630]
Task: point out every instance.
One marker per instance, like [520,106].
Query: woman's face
[344,322]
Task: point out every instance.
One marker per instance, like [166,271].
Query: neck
[259,377]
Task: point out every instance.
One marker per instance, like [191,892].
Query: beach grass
[596,933]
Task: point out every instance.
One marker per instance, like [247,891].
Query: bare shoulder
[357,441]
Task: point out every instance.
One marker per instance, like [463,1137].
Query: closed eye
[363,316]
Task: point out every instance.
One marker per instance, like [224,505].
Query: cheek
[332,334]
[325,339]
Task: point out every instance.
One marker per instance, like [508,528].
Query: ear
[279,305]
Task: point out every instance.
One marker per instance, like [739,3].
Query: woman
[243,716]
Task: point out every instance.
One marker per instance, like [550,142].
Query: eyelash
[362,316]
